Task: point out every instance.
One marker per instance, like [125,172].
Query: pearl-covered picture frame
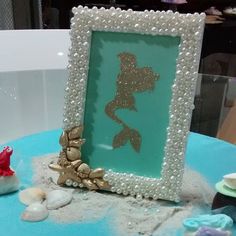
[72,164]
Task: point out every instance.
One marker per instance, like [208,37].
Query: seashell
[31,195]
[76,132]
[55,167]
[57,199]
[230,180]
[102,184]
[62,154]
[83,170]
[35,212]
[89,184]
[97,173]
[63,139]
[73,154]
[76,163]
[76,143]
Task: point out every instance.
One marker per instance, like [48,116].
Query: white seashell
[32,195]
[230,180]
[35,212]
[8,184]
[57,199]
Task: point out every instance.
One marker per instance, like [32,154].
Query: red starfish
[5,162]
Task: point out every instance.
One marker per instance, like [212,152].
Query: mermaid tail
[125,135]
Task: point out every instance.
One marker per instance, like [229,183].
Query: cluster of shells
[72,170]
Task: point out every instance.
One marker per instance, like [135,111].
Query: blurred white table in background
[32,80]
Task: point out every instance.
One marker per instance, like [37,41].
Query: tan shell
[89,184]
[102,184]
[62,154]
[63,139]
[76,143]
[76,132]
[83,170]
[97,173]
[73,154]
[55,167]
[76,163]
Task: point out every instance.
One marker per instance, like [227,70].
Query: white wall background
[32,81]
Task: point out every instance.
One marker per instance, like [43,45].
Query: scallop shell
[97,173]
[31,195]
[63,139]
[230,180]
[57,199]
[76,132]
[73,154]
[35,212]
[83,170]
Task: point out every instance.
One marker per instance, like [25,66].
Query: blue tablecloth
[211,157]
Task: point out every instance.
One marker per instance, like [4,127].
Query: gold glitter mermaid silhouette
[130,80]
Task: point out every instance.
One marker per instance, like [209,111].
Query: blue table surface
[211,157]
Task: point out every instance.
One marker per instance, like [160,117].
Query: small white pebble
[130,225]
[85,197]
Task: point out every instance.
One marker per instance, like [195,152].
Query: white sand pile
[127,215]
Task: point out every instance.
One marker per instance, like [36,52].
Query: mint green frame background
[152,117]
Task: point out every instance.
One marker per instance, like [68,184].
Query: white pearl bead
[69,182]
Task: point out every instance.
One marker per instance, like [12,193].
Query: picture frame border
[189,27]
